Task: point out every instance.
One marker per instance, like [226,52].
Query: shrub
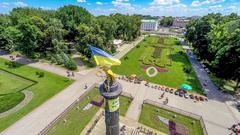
[126,58]
[71,65]
[146,61]
[181,52]
[59,59]
[40,74]
[187,69]
[12,64]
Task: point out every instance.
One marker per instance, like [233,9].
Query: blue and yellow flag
[102,58]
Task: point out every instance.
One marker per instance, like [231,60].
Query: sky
[145,7]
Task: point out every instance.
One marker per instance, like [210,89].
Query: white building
[149,25]
[180,23]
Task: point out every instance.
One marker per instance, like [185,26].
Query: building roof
[147,21]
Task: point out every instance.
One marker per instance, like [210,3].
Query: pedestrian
[162,95]
[72,74]
[85,86]
[166,101]
[68,73]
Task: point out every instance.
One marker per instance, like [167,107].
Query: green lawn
[10,100]
[124,104]
[132,62]
[77,119]
[45,88]
[10,83]
[149,117]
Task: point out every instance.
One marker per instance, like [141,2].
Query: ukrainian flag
[102,58]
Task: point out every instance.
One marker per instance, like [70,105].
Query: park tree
[39,22]
[196,34]
[109,26]
[30,37]
[71,16]
[166,21]
[215,39]
[225,45]
[88,35]
[10,37]
[53,37]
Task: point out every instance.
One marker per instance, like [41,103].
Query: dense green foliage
[166,21]
[216,40]
[52,34]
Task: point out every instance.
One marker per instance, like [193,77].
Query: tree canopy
[51,34]
[216,39]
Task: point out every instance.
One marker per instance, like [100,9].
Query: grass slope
[124,104]
[10,100]
[10,83]
[149,117]
[77,119]
[45,88]
[174,78]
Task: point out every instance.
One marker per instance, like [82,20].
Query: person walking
[73,74]
[162,96]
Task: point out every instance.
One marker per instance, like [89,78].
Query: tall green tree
[71,16]
[166,21]
[89,36]
[30,37]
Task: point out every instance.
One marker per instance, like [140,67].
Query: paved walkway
[135,107]
[127,47]
[40,65]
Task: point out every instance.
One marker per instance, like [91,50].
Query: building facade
[149,25]
[179,23]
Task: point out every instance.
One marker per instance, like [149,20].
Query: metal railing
[61,115]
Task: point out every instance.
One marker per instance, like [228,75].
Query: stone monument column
[111,94]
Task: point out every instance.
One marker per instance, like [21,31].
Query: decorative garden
[160,60]
[169,122]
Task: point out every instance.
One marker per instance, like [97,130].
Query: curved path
[26,100]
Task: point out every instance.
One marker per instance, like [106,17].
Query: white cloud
[165,2]
[81,1]
[4,5]
[20,4]
[99,3]
[123,4]
[215,6]
[197,3]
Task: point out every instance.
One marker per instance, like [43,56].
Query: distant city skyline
[145,7]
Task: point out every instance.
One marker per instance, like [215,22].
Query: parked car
[238,107]
[186,95]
